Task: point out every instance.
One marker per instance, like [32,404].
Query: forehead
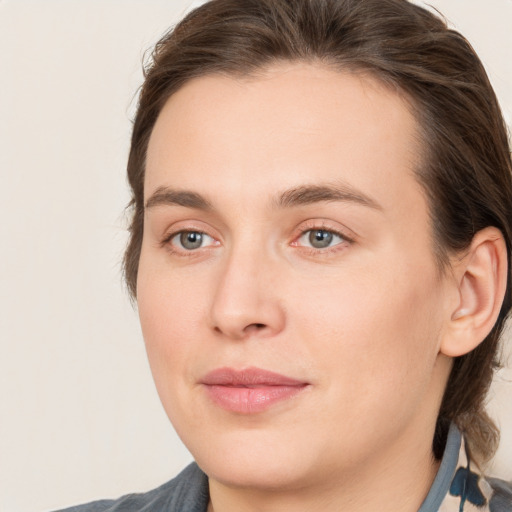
[289,125]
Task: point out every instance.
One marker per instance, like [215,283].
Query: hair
[466,168]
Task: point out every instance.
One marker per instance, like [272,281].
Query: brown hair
[466,170]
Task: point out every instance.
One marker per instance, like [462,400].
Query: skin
[362,321]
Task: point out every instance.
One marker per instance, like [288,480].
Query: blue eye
[320,238]
[191,240]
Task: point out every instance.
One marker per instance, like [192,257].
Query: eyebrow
[308,194]
[167,196]
[297,196]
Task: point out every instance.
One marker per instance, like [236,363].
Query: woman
[320,255]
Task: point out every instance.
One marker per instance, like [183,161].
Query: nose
[246,302]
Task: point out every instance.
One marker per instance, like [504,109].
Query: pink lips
[251,390]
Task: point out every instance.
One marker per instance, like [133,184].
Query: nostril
[254,327]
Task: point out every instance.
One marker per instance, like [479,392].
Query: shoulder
[500,499]
[478,491]
[463,486]
[187,492]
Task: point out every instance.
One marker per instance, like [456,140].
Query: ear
[481,279]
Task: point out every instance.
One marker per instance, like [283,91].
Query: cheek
[377,334]
[168,301]
[169,311]
[168,321]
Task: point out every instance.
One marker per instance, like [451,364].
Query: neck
[398,480]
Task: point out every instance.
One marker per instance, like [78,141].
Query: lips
[251,390]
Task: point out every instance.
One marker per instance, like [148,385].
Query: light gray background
[79,416]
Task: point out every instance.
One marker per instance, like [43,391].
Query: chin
[265,460]
[263,473]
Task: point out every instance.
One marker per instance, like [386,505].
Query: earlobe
[481,278]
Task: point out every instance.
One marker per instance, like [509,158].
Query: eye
[191,240]
[321,238]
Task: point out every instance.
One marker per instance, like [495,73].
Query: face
[288,294]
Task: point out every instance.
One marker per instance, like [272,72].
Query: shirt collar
[443,479]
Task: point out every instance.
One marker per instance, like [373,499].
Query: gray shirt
[187,492]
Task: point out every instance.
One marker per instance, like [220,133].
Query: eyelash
[321,226]
[345,240]
[166,242]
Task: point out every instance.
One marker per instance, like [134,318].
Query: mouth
[251,390]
